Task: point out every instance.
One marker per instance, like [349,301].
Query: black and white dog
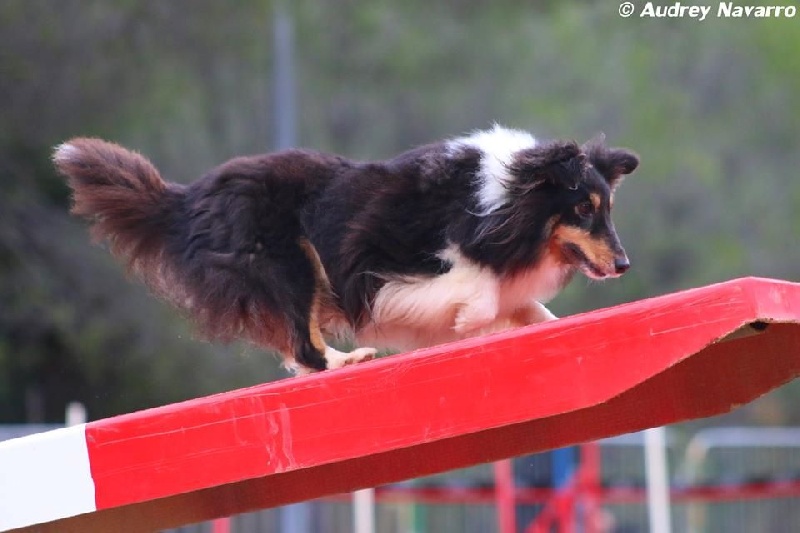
[445,241]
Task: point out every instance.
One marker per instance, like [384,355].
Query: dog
[448,240]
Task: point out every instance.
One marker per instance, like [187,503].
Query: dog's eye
[585,209]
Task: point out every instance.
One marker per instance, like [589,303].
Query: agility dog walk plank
[681,356]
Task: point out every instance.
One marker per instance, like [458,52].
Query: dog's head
[576,185]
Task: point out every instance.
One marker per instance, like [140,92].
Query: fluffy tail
[128,204]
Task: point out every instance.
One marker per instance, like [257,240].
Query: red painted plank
[578,378]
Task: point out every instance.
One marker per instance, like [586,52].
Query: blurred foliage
[711,107]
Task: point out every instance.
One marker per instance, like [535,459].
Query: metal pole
[284,106]
[505,497]
[655,456]
[565,463]
[590,486]
[294,518]
[221,525]
[364,511]
[76,414]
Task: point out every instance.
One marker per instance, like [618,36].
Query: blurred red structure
[573,380]
[587,491]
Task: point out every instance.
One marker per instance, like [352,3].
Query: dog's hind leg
[311,352]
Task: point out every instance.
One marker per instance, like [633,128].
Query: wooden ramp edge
[687,355]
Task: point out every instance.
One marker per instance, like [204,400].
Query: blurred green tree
[711,107]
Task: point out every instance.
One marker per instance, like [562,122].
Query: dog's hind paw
[337,359]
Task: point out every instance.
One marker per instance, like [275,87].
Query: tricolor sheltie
[443,242]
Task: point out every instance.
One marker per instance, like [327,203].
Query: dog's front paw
[337,359]
[546,315]
[532,314]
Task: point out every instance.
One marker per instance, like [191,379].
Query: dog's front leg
[524,316]
[479,311]
[533,313]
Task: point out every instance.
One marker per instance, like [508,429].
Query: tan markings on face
[596,250]
[596,200]
[550,224]
[553,247]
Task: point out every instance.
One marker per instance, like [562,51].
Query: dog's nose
[621,264]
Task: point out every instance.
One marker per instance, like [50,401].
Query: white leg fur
[425,311]
[477,313]
[533,314]
[466,301]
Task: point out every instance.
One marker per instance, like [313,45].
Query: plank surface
[681,356]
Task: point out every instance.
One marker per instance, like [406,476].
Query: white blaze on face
[497,146]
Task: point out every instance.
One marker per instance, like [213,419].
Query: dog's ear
[559,163]
[611,163]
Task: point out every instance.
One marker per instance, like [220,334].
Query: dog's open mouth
[579,259]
